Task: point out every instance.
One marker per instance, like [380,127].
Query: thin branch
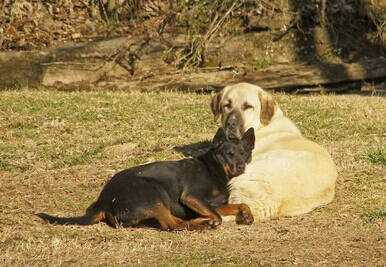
[199,46]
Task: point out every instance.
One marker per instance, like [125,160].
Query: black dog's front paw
[202,224]
[244,216]
[212,223]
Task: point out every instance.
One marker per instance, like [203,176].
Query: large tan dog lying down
[289,174]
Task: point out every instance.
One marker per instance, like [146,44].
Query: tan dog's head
[241,106]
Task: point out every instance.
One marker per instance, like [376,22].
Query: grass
[260,64]
[375,215]
[57,150]
[376,156]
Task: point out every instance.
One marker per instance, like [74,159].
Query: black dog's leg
[241,211]
[161,213]
[202,208]
[169,222]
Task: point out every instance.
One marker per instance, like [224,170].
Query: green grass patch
[5,165]
[84,157]
[377,214]
[260,64]
[377,156]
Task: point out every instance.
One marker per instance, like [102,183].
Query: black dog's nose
[240,168]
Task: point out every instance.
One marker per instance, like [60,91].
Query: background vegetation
[29,25]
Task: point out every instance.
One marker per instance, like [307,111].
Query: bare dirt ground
[58,149]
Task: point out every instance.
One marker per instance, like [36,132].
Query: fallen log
[82,63]
[295,76]
[279,77]
[132,63]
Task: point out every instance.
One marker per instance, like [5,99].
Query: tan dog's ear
[215,105]
[267,107]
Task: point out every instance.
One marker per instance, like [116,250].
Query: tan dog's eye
[228,106]
[247,106]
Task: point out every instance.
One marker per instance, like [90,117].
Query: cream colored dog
[289,174]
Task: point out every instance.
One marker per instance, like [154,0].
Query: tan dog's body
[289,174]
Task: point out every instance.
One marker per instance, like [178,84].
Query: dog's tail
[93,215]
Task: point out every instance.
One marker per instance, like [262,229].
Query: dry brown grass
[58,149]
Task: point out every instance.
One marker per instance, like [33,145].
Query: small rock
[76,35]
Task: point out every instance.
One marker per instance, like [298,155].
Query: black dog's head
[233,154]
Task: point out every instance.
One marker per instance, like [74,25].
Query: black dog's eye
[231,153]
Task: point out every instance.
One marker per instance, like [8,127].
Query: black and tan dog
[187,194]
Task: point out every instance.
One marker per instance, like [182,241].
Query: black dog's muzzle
[234,169]
[234,125]
[240,168]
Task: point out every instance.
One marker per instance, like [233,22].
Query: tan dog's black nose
[232,126]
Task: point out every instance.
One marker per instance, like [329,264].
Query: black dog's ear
[249,139]
[219,138]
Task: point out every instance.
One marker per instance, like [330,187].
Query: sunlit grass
[57,150]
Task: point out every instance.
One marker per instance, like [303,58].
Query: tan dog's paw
[245,215]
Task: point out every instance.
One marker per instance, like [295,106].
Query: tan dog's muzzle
[234,125]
